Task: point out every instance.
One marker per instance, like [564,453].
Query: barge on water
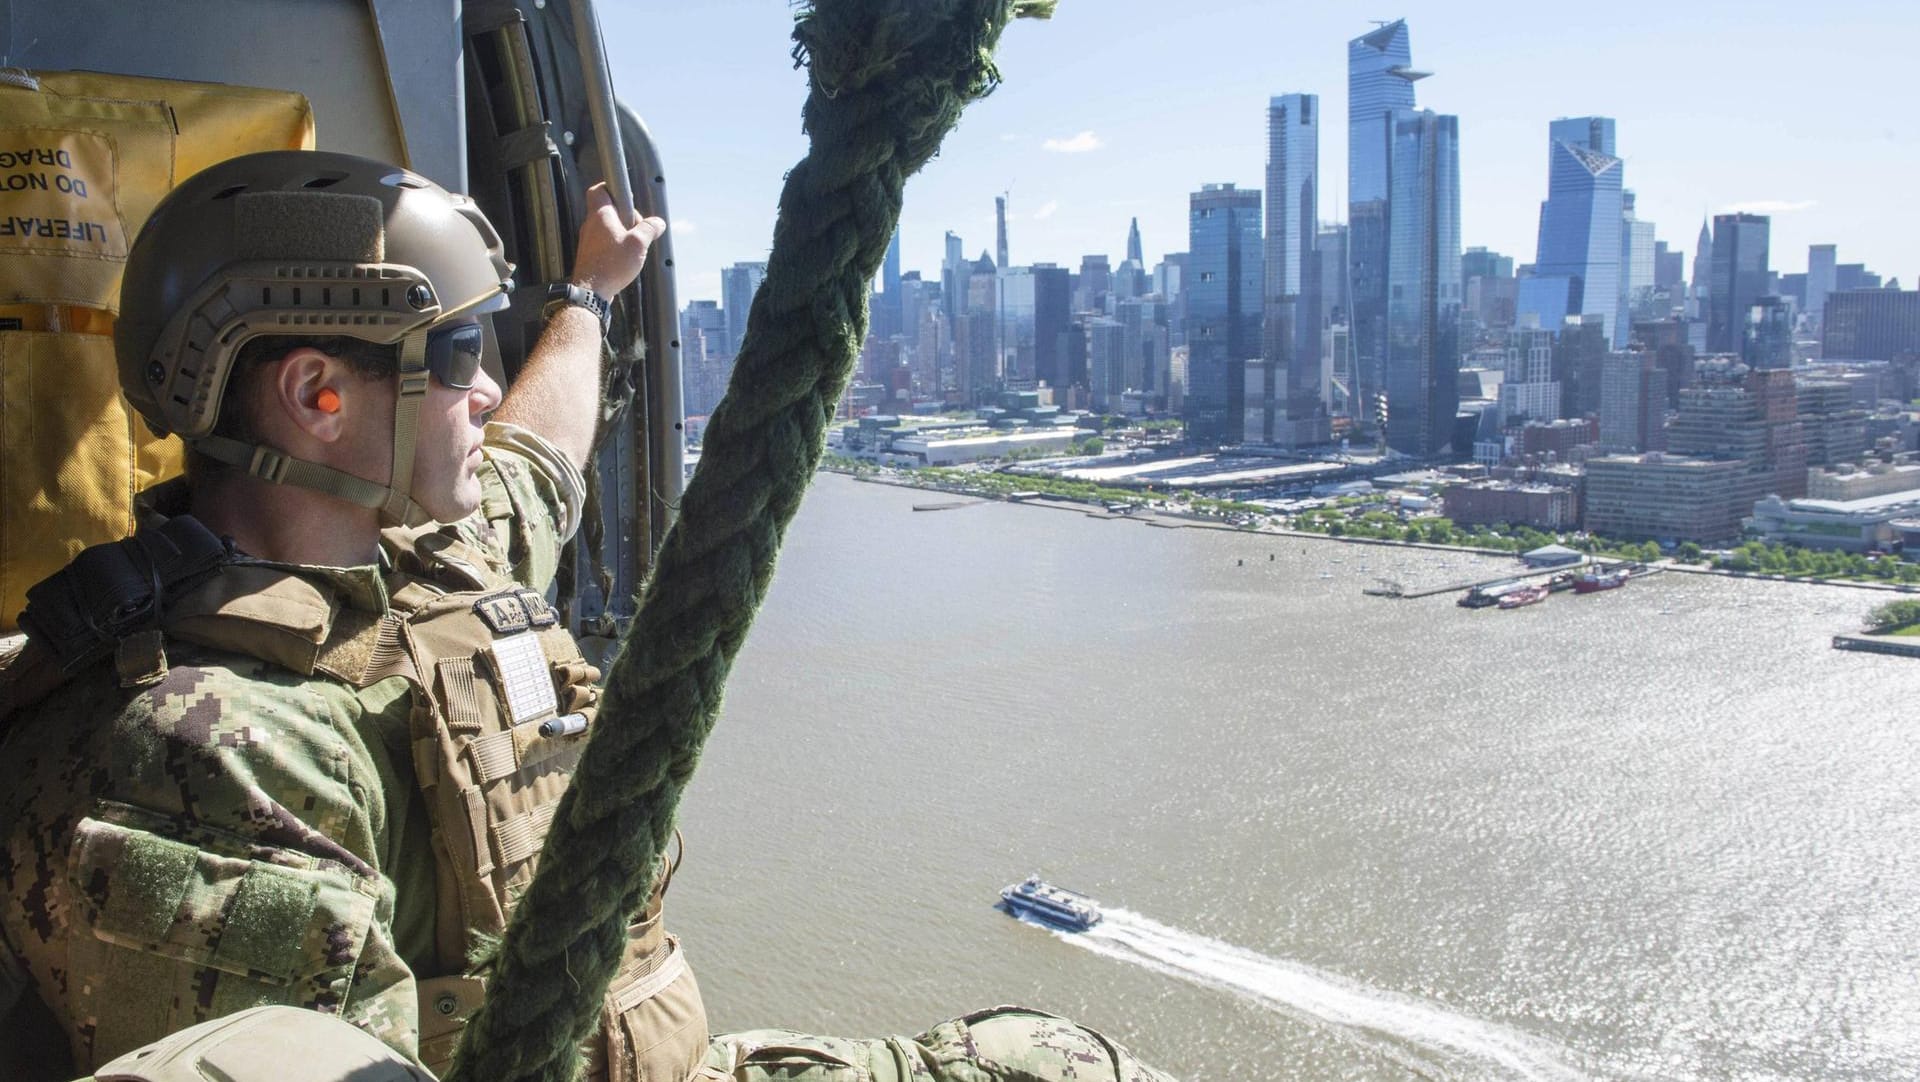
[1054,906]
[1593,583]
[1525,595]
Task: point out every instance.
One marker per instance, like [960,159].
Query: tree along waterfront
[1378,519]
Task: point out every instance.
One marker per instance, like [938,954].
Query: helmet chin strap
[393,499]
[399,508]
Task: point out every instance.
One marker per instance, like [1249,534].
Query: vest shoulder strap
[111,591]
[261,611]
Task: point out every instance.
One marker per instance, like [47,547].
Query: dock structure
[1878,644]
[1399,593]
[1402,594]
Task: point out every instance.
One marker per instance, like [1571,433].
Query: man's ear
[311,391]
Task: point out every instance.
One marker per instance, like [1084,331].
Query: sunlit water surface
[1664,832]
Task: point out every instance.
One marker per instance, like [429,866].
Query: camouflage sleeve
[1001,1044]
[225,855]
[532,497]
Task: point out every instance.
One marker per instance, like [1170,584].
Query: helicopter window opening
[230,192]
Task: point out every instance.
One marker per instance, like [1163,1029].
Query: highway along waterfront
[1658,832]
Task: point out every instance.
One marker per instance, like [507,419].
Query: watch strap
[565,294]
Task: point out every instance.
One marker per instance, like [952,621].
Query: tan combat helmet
[298,243]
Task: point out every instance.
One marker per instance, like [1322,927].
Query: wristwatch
[562,294]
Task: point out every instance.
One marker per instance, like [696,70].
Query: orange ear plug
[327,400]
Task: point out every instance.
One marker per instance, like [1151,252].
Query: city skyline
[1129,136]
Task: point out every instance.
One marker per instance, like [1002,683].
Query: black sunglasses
[453,354]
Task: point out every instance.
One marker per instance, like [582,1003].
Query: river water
[1664,832]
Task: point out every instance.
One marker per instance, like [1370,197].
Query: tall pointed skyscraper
[1702,273]
[1000,234]
[1380,78]
[1133,243]
[1576,269]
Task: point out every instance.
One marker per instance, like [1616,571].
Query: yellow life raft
[84,158]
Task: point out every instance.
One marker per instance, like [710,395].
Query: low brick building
[1486,503]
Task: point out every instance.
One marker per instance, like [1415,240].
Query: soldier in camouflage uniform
[273,750]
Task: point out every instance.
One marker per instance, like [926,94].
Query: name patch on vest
[524,675]
[512,611]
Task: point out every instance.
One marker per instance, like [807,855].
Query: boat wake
[1427,1038]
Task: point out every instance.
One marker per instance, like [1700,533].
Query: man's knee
[1014,1044]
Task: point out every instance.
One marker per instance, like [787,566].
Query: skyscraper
[1291,326]
[1336,343]
[1380,78]
[1223,288]
[1633,403]
[1637,271]
[1000,231]
[1060,366]
[1576,269]
[1821,260]
[1096,281]
[1871,324]
[1669,266]
[1702,273]
[955,269]
[1037,305]
[1767,339]
[888,318]
[738,284]
[890,269]
[1739,277]
[1423,277]
[1133,243]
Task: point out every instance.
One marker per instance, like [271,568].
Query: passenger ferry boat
[1056,906]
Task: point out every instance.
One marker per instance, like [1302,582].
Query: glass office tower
[1223,286]
[1380,80]
[1291,338]
[1423,280]
[1576,270]
[1739,277]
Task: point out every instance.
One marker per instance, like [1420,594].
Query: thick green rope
[889,80]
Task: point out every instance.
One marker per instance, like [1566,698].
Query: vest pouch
[446,1003]
[188,933]
[653,1025]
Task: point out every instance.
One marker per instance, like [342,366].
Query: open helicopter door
[492,97]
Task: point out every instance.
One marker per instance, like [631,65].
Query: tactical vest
[503,703]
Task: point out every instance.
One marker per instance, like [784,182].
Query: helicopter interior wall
[360,104]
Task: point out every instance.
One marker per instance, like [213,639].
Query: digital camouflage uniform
[237,834]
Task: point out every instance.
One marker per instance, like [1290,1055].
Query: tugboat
[1054,906]
[1526,595]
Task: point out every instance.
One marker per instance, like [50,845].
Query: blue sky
[1118,108]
